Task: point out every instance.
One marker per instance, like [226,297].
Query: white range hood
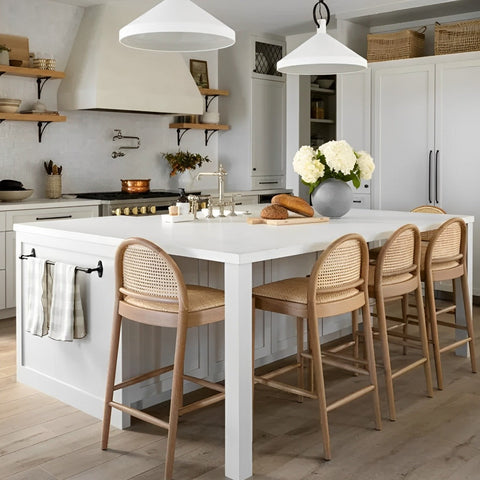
[102,74]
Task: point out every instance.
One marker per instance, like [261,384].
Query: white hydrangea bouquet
[334,159]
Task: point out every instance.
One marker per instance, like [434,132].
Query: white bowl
[210,117]
[325,82]
[10,101]
[8,108]
[14,195]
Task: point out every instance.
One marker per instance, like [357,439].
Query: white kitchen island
[225,252]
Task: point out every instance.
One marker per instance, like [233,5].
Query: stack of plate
[9,105]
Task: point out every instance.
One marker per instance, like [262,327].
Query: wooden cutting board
[287,221]
[18,47]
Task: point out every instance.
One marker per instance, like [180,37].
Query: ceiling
[286,17]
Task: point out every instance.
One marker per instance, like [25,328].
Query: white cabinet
[268,123]
[32,215]
[403,136]
[353,92]
[253,153]
[2,260]
[425,129]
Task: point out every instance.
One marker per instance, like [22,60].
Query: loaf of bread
[294,204]
[274,212]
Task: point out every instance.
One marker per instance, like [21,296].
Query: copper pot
[136,186]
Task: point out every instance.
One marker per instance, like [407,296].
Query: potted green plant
[181,161]
[4,55]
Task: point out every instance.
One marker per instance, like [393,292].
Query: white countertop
[231,239]
[46,203]
[271,191]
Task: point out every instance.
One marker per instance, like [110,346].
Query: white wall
[83,144]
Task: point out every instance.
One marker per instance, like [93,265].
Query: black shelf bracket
[41,128]
[208,135]
[208,100]
[40,84]
[180,134]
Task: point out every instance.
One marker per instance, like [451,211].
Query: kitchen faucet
[220,174]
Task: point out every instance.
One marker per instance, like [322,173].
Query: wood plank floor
[433,439]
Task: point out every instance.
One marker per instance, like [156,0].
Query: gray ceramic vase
[332,198]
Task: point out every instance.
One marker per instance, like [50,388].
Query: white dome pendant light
[321,54]
[176,26]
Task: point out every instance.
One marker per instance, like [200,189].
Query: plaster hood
[102,74]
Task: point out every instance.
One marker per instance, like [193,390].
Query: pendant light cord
[319,14]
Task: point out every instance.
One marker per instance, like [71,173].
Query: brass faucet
[220,174]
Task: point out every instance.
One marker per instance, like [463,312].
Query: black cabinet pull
[54,218]
[430,176]
[436,176]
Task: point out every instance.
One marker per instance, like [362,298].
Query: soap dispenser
[182,203]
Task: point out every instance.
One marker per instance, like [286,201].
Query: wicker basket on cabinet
[457,37]
[395,45]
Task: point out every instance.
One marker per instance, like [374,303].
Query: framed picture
[199,71]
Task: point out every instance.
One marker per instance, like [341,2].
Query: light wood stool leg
[176,396]
[469,322]
[405,319]
[432,316]
[382,328]
[424,339]
[355,334]
[112,367]
[372,370]
[300,359]
[319,381]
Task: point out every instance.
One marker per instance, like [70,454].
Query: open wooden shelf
[214,92]
[325,91]
[30,72]
[211,93]
[32,117]
[210,129]
[200,126]
[322,120]
[42,119]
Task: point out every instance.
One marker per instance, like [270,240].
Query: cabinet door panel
[2,289]
[457,129]
[2,251]
[268,127]
[10,275]
[403,136]
[353,109]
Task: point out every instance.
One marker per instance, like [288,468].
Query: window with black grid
[266,57]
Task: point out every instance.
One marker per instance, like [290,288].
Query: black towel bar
[98,268]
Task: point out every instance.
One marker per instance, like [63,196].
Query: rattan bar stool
[395,274]
[150,290]
[425,236]
[445,259]
[338,284]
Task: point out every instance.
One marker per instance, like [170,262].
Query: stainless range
[122,203]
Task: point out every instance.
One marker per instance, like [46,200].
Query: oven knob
[126,211]
[135,211]
[117,211]
[152,209]
[143,210]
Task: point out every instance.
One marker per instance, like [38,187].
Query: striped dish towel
[36,294]
[66,314]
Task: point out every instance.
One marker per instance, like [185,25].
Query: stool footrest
[140,415]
